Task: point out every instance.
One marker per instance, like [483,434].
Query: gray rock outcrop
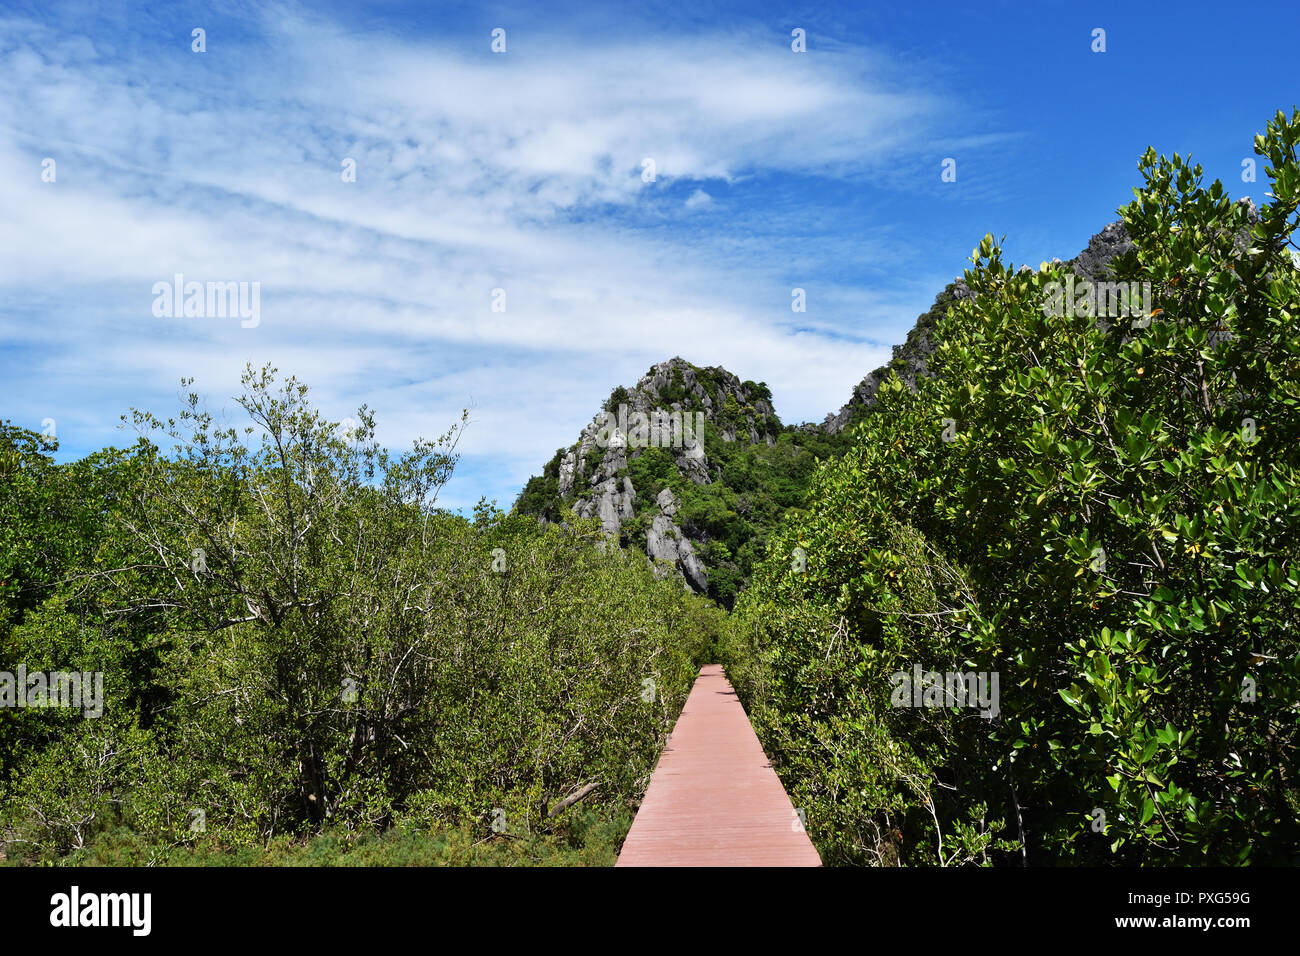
[666,545]
[666,410]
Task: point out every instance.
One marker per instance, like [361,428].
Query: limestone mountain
[690,465]
[693,467]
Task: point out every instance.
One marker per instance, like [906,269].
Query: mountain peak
[692,465]
[647,447]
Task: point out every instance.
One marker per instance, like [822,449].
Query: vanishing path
[714,799]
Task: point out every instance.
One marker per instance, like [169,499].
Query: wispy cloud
[522,172]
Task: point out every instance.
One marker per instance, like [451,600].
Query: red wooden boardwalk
[714,799]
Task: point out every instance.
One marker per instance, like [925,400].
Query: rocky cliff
[674,463]
[665,423]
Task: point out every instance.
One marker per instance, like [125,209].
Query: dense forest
[305,659]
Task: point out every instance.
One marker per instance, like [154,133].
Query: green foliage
[541,496]
[758,390]
[652,470]
[616,398]
[586,838]
[757,486]
[1114,529]
[294,640]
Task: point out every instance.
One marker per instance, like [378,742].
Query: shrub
[1113,528]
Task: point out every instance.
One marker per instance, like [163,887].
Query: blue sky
[522,171]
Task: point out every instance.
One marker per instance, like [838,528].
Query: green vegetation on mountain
[732,517]
[752,472]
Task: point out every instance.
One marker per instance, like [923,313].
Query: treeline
[295,640]
[1103,512]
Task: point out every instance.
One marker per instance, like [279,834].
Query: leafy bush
[1113,528]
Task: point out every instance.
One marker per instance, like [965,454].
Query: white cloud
[474,172]
[698,200]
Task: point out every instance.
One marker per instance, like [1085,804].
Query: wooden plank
[714,799]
